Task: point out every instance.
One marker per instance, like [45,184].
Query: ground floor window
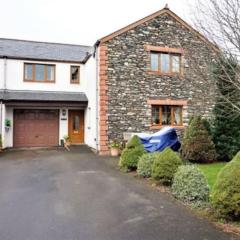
[167,115]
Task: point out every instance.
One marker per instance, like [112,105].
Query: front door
[76,126]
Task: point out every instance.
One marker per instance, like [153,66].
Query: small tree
[226,124]
[197,145]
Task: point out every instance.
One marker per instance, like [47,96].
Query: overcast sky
[77,21]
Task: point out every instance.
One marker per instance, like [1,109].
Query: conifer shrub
[165,166]
[225,197]
[197,145]
[131,154]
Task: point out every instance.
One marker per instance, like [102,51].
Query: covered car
[166,137]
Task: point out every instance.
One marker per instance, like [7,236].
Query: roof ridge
[54,43]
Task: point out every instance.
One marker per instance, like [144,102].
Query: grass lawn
[211,171]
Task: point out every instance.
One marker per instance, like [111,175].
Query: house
[150,74]
[47,91]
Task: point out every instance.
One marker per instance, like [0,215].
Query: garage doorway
[36,128]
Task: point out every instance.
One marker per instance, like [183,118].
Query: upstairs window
[166,63]
[39,72]
[163,115]
[75,74]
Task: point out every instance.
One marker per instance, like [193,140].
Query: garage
[36,128]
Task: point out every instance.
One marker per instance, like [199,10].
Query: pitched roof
[165,10]
[22,49]
[36,96]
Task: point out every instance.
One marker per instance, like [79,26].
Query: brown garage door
[35,128]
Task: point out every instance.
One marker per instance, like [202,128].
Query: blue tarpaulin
[167,137]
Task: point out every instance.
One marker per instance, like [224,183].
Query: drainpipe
[4,89]
[97,92]
[5,74]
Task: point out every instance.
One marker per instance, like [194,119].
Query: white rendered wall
[7,134]
[15,71]
[89,72]
[1,73]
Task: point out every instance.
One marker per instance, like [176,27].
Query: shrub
[190,185]
[133,142]
[226,131]
[165,165]
[144,167]
[197,145]
[130,155]
[225,197]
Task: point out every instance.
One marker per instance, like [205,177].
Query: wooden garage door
[35,128]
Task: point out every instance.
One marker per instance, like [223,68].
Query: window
[166,63]
[166,115]
[75,74]
[39,72]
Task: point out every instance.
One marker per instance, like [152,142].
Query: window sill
[165,74]
[162,126]
[32,81]
[75,83]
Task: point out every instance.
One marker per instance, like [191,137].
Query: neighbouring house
[150,74]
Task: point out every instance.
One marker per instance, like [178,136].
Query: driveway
[59,195]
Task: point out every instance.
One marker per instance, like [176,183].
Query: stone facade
[128,83]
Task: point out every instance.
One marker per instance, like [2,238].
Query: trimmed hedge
[130,155]
[225,197]
[165,165]
[190,185]
[145,163]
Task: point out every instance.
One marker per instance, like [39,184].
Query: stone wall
[129,84]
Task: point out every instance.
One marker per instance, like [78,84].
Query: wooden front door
[76,126]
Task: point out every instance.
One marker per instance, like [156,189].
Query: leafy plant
[7,122]
[190,185]
[114,144]
[130,155]
[66,138]
[225,197]
[165,165]
[0,140]
[144,167]
[197,145]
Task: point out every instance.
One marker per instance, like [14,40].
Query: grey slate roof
[22,49]
[11,95]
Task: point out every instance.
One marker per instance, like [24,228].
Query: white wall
[1,73]
[7,135]
[15,71]
[89,72]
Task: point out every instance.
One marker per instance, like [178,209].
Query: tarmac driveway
[59,195]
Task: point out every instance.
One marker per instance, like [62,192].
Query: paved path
[58,195]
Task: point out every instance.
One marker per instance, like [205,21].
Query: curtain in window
[177,115]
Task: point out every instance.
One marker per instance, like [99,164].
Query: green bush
[197,145]
[190,185]
[144,167]
[225,197]
[226,130]
[130,155]
[165,165]
[133,142]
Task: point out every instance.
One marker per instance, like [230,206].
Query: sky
[77,21]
